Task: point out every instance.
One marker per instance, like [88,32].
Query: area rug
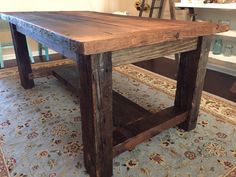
[40,131]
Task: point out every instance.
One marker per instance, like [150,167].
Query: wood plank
[96,113]
[69,76]
[22,58]
[124,110]
[144,53]
[44,69]
[130,55]
[134,121]
[133,134]
[91,32]
[191,75]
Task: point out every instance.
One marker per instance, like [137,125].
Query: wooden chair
[8,45]
[42,48]
[159,15]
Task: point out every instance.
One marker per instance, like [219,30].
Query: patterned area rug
[40,130]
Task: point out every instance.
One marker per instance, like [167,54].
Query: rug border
[174,81]
[4,162]
[215,97]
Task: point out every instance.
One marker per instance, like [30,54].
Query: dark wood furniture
[98,41]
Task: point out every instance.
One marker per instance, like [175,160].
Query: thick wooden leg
[22,57]
[191,75]
[96,110]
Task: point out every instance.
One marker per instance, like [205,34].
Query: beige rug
[37,159]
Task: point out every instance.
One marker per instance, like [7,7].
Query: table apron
[137,54]
[53,41]
[120,57]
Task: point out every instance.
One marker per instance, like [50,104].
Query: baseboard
[214,67]
[221,69]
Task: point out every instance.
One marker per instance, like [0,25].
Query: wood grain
[190,80]
[137,54]
[141,130]
[22,58]
[96,112]
[124,111]
[133,124]
[92,32]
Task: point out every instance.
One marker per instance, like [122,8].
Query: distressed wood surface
[22,58]
[93,32]
[44,69]
[124,111]
[143,129]
[96,113]
[132,123]
[137,54]
[190,80]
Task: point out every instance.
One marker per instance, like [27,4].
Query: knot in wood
[177,35]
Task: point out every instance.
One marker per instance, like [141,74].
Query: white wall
[122,5]
[45,5]
[129,5]
[52,5]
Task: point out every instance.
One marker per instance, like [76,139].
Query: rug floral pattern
[40,132]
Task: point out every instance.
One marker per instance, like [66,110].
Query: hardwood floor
[217,83]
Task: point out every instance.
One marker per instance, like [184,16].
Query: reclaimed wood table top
[92,32]
[117,39]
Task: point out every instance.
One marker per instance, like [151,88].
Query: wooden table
[98,41]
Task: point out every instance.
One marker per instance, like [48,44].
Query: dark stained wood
[92,32]
[216,83]
[96,112]
[44,69]
[124,110]
[191,75]
[127,137]
[22,57]
[69,76]
[91,39]
[134,124]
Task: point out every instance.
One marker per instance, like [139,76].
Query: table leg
[190,81]
[22,57]
[96,111]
